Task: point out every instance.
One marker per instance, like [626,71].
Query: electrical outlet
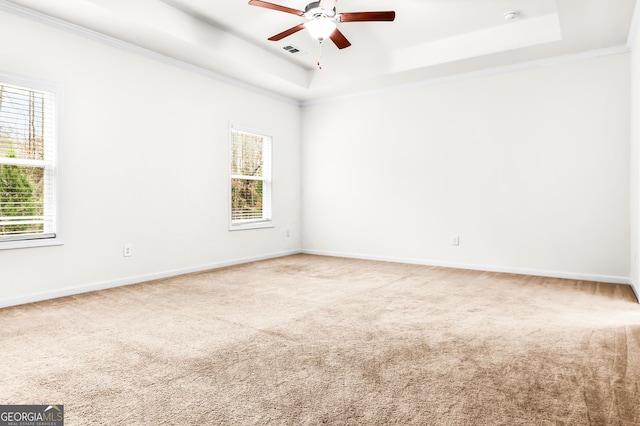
[287,234]
[126,251]
[455,240]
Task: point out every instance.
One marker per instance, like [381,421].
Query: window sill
[258,224]
[45,242]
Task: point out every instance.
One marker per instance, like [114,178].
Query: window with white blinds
[28,187]
[250,179]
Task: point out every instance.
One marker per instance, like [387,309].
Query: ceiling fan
[322,19]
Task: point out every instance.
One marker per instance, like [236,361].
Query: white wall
[144,155]
[530,168]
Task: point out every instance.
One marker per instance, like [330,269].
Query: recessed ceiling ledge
[509,36]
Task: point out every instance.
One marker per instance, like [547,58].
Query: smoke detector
[510,15]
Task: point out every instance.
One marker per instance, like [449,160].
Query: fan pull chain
[319,54]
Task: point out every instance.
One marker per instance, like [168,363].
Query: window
[250,179]
[28,169]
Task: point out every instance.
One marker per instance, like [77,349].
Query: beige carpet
[317,340]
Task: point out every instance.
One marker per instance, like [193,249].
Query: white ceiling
[428,39]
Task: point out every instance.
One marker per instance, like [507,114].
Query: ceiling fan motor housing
[314,11]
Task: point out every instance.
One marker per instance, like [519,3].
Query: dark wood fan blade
[287,33]
[367,16]
[328,4]
[276,7]
[339,39]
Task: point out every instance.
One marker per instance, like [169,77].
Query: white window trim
[252,223]
[45,86]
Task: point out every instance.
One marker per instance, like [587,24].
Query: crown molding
[21,11]
[42,18]
[558,60]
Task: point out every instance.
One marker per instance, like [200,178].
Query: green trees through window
[250,177]
[26,163]
[20,203]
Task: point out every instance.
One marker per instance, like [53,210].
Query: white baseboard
[37,297]
[635,289]
[489,268]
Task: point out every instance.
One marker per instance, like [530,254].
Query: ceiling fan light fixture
[320,28]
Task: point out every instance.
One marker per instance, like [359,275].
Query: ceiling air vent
[294,50]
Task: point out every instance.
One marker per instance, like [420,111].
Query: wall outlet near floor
[455,240]
[126,250]
[287,234]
